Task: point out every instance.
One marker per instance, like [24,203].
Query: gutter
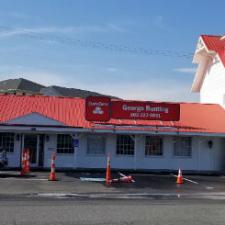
[60,129]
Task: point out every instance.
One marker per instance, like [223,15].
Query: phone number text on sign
[145,115]
[145,110]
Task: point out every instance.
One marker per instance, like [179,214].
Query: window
[64,143]
[153,146]
[183,146]
[96,144]
[7,141]
[125,145]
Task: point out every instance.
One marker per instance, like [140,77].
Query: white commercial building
[195,142]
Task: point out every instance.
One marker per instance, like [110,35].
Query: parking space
[69,182]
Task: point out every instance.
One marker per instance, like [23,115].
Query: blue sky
[95,44]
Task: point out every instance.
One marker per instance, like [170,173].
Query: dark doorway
[31,143]
[41,150]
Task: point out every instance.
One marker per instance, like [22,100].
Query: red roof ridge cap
[211,35]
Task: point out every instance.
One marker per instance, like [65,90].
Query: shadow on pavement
[141,180]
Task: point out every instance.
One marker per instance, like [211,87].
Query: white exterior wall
[213,87]
[62,160]
[203,158]
[14,157]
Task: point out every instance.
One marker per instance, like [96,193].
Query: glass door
[30,141]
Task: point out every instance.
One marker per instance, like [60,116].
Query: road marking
[209,188]
[194,182]
[93,179]
[191,181]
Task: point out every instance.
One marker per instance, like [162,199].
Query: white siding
[213,87]
[62,160]
[203,158]
[85,160]
[14,157]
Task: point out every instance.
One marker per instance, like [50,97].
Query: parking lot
[69,182]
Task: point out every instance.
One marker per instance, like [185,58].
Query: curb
[115,196]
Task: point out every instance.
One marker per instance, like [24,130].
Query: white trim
[37,129]
[162,133]
[200,73]
[198,50]
[198,58]
[56,130]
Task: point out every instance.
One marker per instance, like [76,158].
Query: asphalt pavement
[11,183]
[151,199]
[111,212]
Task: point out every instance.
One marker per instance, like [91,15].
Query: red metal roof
[69,111]
[194,117]
[214,43]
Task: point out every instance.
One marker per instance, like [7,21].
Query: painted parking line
[191,181]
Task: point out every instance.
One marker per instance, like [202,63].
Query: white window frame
[182,142]
[152,144]
[89,151]
[68,147]
[126,147]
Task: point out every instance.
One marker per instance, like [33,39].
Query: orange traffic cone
[27,162]
[180,177]
[108,179]
[52,176]
[23,162]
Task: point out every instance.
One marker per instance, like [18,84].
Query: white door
[206,156]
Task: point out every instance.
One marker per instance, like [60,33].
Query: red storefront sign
[102,109]
[145,110]
[97,108]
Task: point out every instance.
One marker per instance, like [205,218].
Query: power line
[107,46]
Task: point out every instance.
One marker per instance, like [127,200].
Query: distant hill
[67,92]
[23,86]
[19,85]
